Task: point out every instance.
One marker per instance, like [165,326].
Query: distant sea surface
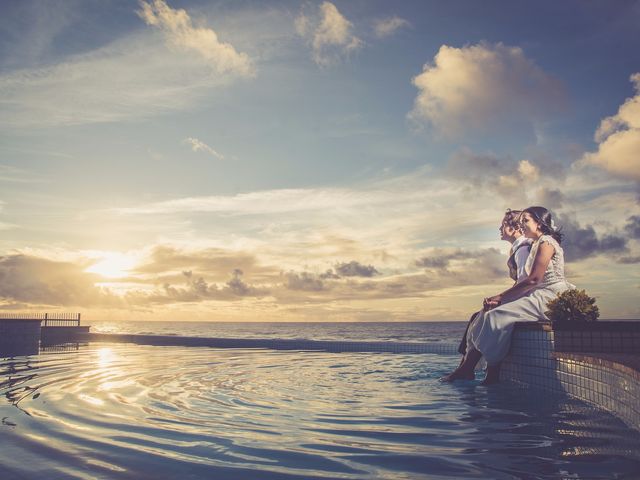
[348,331]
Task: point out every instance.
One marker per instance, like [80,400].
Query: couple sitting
[536,263]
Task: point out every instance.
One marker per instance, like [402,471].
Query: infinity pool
[136,412]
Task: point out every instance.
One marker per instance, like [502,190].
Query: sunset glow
[112,265]
[316,161]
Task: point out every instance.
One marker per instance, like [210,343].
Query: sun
[112,265]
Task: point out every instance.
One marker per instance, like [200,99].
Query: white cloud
[483,86]
[388,26]
[7,226]
[528,171]
[330,225]
[180,32]
[9,173]
[520,181]
[330,33]
[261,202]
[134,77]
[618,139]
[200,146]
[285,241]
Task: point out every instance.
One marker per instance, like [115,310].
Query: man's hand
[491,302]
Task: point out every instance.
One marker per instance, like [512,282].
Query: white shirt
[521,255]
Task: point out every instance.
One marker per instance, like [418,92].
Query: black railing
[60,319]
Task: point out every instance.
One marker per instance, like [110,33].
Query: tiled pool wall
[597,363]
[19,337]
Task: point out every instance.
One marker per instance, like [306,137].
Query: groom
[511,232]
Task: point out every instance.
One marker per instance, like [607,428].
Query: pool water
[137,412]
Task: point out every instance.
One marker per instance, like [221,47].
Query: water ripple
[126,411]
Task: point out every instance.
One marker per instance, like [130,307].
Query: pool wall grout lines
[592,363]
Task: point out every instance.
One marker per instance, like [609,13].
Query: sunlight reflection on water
[126,411]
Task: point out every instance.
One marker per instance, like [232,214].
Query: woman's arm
[540,264]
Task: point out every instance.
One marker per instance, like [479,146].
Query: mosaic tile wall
[19,337]
[607,380]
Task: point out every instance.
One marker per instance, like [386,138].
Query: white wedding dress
[490,332]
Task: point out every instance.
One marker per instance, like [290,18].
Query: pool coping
[274,343]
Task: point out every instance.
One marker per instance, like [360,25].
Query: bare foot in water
[458,375]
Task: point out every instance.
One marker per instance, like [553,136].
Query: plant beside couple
[536,263]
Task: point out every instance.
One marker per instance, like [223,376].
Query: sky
[311,161]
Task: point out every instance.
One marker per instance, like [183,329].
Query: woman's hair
[512,218]
[545,221]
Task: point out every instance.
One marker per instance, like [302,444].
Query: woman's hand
[492,302]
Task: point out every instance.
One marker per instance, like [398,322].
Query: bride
[490,333]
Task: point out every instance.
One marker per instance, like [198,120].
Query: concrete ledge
[55,335]
[19,337]
[600,337]
[275,344]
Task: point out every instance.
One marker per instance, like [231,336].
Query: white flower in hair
[552,224]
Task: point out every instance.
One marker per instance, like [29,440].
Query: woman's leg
[466,370]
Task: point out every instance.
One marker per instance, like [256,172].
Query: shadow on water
[18,370]
[532,434]
[18,349]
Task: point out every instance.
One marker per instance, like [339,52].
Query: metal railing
[58,319]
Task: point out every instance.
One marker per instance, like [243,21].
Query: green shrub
[573,305]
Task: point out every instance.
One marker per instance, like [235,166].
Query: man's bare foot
[458,375]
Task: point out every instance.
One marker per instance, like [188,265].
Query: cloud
[330,34]
[196,289]
[40,281]
[629,260]
[581,242]
[551,198]
[133,77]
[31,30]
[200,146]
[241,288]
[304,281]
[11,174]
[265,201]
[355,269]
[165,261]
[180,33]
[489,261]
[511,178]
[633,226]
[483,87]
[318,282]
[388,26]
[130,79]
[618,138]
